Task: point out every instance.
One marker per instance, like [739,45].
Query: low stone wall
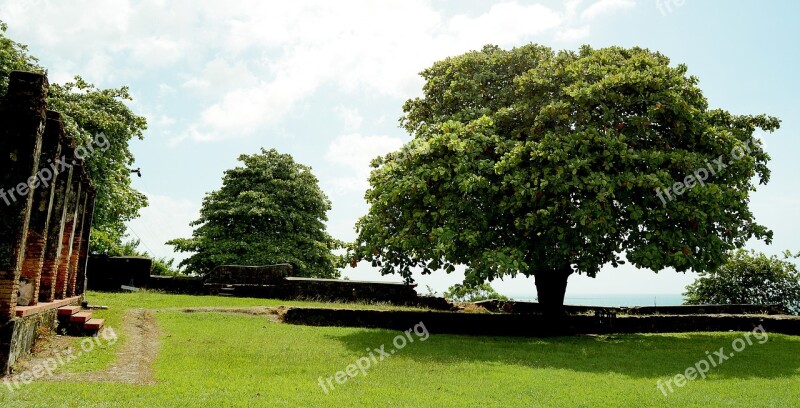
[706,309]
[18,335]
[488,324]
[494,305]
[692,323]
[345,290]
[250,275]
[483,324]
[252,291]
[280,286]
[505,306]
[185,285]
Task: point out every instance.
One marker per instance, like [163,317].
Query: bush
[749,278]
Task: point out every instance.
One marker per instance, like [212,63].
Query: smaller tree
[270,211]
[749,278]
[472,293]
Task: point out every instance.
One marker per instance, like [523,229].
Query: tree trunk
[551,285]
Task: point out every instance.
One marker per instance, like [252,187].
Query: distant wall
[272,281]
[298,288]
[535,308]
[109,273]
[346,290]
[185,285]
[706,309]
[249,275]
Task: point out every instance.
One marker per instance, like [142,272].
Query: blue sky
[325,82]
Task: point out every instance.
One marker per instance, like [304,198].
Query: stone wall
[271,281]
[348,290]
[510,306]
[291,288]
[109,273]
[183,285]
[249,275]
[490,324]
[18,335]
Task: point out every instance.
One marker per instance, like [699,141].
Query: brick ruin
[46,207]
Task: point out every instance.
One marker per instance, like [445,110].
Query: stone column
[22,121]
[77,238]
[41,209]
[87,234]
[55,228]
[68,234]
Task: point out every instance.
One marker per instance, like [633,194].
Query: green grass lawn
[214,360]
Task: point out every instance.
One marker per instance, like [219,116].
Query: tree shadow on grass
[633,355]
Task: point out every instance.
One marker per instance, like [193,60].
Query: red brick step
[94,324]
[80,317]
[68,310]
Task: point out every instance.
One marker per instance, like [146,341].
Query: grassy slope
[210,359]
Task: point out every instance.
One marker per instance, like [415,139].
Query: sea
[615,300]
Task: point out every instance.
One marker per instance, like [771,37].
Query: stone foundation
[488,324]
[19,334]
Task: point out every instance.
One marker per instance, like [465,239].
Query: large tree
[749,278]
[87,112]
[269,211]
[545,164]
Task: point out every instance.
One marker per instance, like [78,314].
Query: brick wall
[44,226]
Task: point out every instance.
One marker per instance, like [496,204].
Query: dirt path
[133,363]
[274,314]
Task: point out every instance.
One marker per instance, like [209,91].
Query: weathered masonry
[46,207]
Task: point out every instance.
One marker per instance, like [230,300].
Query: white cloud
[356,152]
[357,46]
[100,68]
[606,7]
[504,24]
[164,89]
[573,34]
[253,63]
[156,52]
[571,8]
[350,117]
[220,76]
[243,111]
[164,120]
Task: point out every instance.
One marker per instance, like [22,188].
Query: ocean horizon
[614,300]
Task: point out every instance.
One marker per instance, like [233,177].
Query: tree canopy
[87,112]
[749,278]
[542,163]
[269,211]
